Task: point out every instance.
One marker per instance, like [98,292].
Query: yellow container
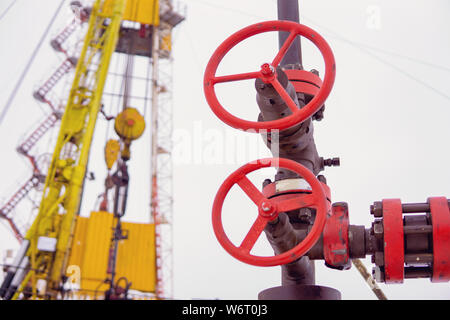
[136,258]
[142,11]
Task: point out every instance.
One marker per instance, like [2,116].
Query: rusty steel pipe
[282,237]
[288,11]
[294,143]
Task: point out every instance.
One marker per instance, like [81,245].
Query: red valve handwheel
[268,75]
[268,210]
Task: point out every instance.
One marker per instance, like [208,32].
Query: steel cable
[28,65]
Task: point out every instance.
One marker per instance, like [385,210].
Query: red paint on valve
[268,210]
[268,75]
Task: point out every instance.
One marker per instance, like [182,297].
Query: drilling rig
[294,208]
[64,255]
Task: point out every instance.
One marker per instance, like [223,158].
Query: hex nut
[379,258]
[378,274]
[377,209]
[378,230]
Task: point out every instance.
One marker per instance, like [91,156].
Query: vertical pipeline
[301,271]
[288,10]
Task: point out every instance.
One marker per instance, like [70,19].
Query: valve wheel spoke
[252,192]
[284,95]
[252,236]
[236,77]
[276,61]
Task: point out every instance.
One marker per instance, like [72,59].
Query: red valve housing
[336,249]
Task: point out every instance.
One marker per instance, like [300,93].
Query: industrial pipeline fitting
[295,210]
[406,240]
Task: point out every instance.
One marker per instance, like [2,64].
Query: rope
[7,9]
[369,279]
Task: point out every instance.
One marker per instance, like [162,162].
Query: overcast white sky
[386,118]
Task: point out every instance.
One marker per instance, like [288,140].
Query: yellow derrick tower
[65,255]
